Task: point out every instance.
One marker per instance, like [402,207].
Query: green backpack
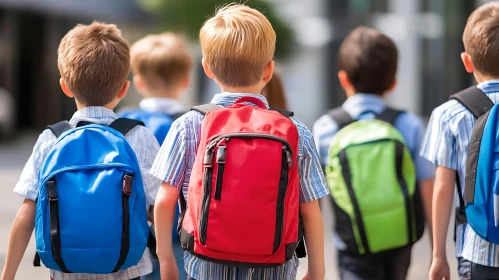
[372,179]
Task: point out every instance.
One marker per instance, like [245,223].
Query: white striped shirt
[174,165]
[144,145]
[446,144]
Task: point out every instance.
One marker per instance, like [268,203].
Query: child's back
[374,153]
[241,63]
[94,65]
[161,65]
[446,145]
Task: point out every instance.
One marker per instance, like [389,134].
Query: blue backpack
[159,123]
[479,205]
[91,210]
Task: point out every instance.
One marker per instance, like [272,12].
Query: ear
[186,82]
[268,72]
[345,83]
[207,69]
[468,62]
[138,83]
[124,90]
[65,89]
[392,86]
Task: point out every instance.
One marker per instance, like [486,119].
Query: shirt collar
[228,98]
[362,103]
[95,114]
[490,86]
[161,104]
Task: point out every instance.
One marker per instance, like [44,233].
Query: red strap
[253,100]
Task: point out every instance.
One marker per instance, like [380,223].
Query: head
[481,43]
[161,65]
[367,62]
[94,63]
[238,45]
[274,93]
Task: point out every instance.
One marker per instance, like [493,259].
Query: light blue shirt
[174,166]
[446,144]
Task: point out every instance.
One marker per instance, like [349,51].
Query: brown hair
[162,58]
[370,60]
[237,44]
[274,92]
[94,62]
[481,38]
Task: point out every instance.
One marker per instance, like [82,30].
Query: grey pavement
[14,154]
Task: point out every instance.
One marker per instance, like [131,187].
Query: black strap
[389,115]
[205,108]
[55,235]
[36,260]
[286,113]
[59,128]
[475,101]
[341,117]
[125,236]
[124,125]
[347,177]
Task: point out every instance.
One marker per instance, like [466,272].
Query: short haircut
[370,60]
[161,60]
[237,43]
[94,62]
[481,38]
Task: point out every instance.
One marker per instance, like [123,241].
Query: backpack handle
[253,100]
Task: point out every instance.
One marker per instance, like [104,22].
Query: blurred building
[30,32]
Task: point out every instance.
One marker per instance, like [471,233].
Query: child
[367,69]
[446,145]
[238,46]
[161,65]
[94,63]
[274,93]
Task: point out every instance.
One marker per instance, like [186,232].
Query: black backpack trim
[479,104]
[206,108]
[59,128]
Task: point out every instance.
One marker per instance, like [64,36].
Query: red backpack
[243,206]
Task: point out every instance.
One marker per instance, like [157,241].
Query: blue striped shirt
[174,165]
[446,145]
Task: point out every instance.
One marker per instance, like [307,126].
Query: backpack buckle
[127,184]
[52,191]
[208,158]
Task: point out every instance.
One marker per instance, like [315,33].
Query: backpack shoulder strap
[475,100]
[341,117]
[124,125]
[206,108]
[59,128]
[389,115]
[286,113]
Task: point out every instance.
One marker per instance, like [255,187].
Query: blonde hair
[237,44]
[481,38]
[161,60]
[94,62]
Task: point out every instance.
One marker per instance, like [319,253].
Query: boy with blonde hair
[238,46]
[161,65]
[446,145]
[94,63]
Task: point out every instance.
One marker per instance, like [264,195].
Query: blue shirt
[446,145]
[174,166]
[366,106]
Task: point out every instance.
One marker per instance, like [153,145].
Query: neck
[479,77]
[255,89]
[109,106]
[172,93]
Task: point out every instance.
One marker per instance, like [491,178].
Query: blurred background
[427,32]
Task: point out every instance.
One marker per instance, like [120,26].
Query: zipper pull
[208,158]
[221,154]
[289,158]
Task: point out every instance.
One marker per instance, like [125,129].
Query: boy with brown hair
[94,63]
[238,46]
[367,62]
[161,65]
[446,145]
